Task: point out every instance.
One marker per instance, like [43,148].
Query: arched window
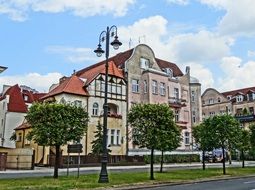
[95,109]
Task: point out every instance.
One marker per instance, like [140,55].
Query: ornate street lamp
[105,36]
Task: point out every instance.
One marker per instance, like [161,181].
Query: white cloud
[34,80]
[18,9]
[196,47]
[239,18]
[179,2]
[251,53]
[200,47]
[203,74]
[237,74]
[73,54]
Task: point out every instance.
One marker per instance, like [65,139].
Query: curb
[162,184]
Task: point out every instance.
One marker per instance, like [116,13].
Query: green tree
[244,144]
[170,139]
[226,133]
[252,133]
[151,123]
[97,144]
[204,138]
[55,124]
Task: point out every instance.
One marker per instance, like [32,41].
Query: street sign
[74,148]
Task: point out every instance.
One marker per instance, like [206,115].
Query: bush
[174,158]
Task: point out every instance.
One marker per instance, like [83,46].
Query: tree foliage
[153,128]
[55,124]
[220,131]
[97,144]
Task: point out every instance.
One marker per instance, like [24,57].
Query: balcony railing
[176,102]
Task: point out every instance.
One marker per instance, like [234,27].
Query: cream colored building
[239,103]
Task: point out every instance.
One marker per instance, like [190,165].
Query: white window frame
[162,89]
[187,138]
[144,63]
[239,98]
[135,85]
[95,108]
[154,87]
[176,93]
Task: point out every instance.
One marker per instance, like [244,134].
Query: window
[169,72]
[212,113]
[144,63]
[239,111]
[176,93]
[135,85]
[239,98]
[25,97]
[251,110]
[211,101]
[145,87]
[194,116]
[203,102]
[219,99]
[112,136]
[19,137]
[118,137]
[229,97]
[154,87]
[95,109]
[186,138]
[176,116]
[78,103]
[192,96]
[162,89]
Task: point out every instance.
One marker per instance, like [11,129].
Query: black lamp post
[105,36]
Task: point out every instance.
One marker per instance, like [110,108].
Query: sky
[43,40]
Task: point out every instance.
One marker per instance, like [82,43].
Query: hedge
[174,158]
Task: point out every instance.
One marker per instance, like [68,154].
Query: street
[230,184]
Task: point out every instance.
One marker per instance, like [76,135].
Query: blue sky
[42,40]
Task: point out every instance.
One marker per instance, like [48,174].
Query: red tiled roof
[24,125]
[239,91]
[72,85]
[91,74]
[119,60]
[16,100]
[165,64]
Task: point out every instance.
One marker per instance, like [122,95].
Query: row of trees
[153,127]
[223,132]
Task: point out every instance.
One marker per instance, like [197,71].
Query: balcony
[245,118]
[176,102]
[182,124]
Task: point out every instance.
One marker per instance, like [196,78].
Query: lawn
[118,179]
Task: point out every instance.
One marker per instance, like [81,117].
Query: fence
[91,160]
[18,158]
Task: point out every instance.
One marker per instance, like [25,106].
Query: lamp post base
[103,178]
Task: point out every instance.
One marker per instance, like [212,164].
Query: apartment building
[239,103]
[135,76]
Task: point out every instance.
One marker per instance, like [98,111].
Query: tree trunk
[152,162]
[230,158]
[56,161]
[243,158]
[203,159]
[162,161]
[223,161]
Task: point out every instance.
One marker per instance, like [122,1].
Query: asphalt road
[230,184]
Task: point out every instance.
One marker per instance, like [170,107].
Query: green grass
[117,179]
